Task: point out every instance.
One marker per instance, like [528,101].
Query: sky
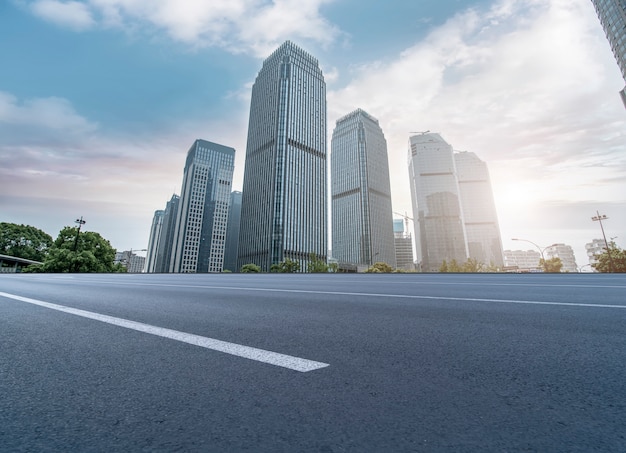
[100,100]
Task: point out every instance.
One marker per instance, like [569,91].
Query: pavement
[320,363]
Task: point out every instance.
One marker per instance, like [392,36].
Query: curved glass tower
[362,220]
[283,210]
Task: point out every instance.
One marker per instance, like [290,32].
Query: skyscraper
[612,15]
[362,219]
[283,212]
[166,240]
[232,232]
[438,220]
[480,218]
[200,233]
[404,245]
[153,242]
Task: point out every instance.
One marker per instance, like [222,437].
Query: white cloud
[250,26]
[71,14]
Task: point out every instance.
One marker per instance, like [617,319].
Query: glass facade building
[612,15]
[362,219]
[166,239]
[200,232]
[232,232]
[480,218]
[438,219]
[283,211]
[153,242]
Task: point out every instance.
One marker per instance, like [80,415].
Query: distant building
[612,15]
[479,210]
[153,242]
[403,245]
[362,219]
[522,260]
[232,232]
[594,248]
[131,261]
[200,233]
[166,239]
[565,253]
[438,219]
[284,210]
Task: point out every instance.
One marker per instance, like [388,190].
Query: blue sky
[101,99]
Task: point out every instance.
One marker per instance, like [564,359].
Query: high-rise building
[403,245]
[153,242]
[480,218]
[232,232]
[362,219]
[438,219]
[612,15]
[166,240]
[565,253]
[283,212]
[200,233]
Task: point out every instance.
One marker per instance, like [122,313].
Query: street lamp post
[541,250]
[599,218]
[80,223]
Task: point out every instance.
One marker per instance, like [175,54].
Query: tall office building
[362,219]
[438,219]
[232,232]
[200,233]
[153,242]
[480,218]
[404,245]
[283,212]
[166,240]
[612,15]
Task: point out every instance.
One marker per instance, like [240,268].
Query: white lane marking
[260,355]
[342,293]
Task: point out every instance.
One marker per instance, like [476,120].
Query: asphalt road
[323,363]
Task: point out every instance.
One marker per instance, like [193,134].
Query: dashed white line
[260,355]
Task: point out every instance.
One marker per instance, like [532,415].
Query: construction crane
[406,220]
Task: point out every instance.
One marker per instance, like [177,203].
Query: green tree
[380,267]
[552,265]
[24,241]
[250,268]
[618,260]
[472,266]
[443,267]
[316,265]
[286,266]
[86,252]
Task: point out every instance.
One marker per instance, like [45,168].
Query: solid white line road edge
[260,355]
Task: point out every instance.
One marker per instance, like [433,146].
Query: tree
[552,265]
[472,266]
[380,267]
[250,268]
[24,241]
[84,252]
[286,266]
[316,265]
[618,260]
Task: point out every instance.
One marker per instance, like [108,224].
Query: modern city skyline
[362,219]
[438,219]
[200,233]
[283,212]
[480,218]
[612,15]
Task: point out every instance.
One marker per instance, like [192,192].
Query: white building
[522,260]
[595,247]
[565,253]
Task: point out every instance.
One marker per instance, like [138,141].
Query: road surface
[320,363]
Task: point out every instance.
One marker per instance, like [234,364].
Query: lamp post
[599,218]
[541,250]
[80,223]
